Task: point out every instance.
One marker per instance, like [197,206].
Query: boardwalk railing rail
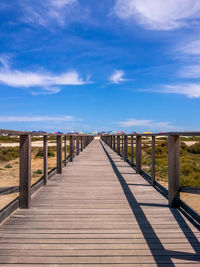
[77,143]
[119,143]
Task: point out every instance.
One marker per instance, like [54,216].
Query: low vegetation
[37,172]
[8,166]
[51,152]
[190,161]
[9,153]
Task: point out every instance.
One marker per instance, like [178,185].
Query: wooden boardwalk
[98,213]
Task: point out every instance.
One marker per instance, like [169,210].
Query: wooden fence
[174,188]
[77,143]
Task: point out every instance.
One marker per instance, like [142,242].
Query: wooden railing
[174,188]
[77,143]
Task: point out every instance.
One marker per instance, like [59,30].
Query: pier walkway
[98,212]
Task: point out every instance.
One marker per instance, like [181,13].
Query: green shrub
[195,149]
[8,166]
[38,171]
[8,139]
[40,153]
[51,152]
[8,153]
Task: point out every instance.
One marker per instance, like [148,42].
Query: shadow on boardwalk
[152,239]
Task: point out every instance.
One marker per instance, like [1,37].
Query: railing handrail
[156,134]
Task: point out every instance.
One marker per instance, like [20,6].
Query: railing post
[65,151]
[138,154]
[114,148]
[74,146]
[153,160]
[81,143]
[125,147]
[122,145]
[173,170]
[45,158]
[77,145]
[59,154]
[132,150]
[111,141]
[71,149]
[25,172]
[118,144]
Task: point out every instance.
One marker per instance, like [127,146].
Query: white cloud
[36,119]
[191,71]
[159,14]
[191,90]
[192,48]
[117,77]
[47,81]
[46,12]
[148,124]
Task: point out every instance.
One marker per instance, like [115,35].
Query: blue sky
[129,65]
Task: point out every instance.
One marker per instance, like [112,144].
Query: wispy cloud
[36,119]
[147,124]
[159,14]
[47,81]
[191,48]
[190,71]
[117,77]
[48,12]
[191,90]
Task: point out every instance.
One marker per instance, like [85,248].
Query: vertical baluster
[122,145]
[173,170]
[45,158]
[77,145]
[114,148]
[132,150]
[125,147]
[118,145]
[25,172]
[153,160]
[81,143]
[59,154]
[138,154]
[71,151]
[65,151]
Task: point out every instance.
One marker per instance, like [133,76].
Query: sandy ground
[33,144]
[10,176]
[192,200]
